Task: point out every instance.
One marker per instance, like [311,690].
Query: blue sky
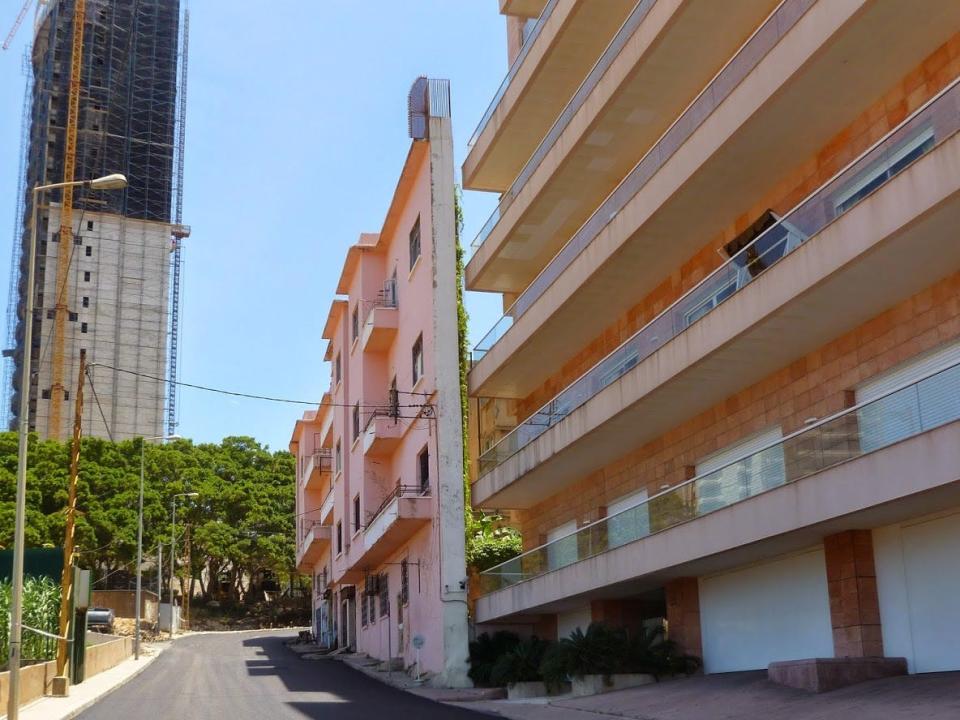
[296,133]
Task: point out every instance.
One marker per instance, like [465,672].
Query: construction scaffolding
[114,298]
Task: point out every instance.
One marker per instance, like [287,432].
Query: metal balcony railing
[927,128]
[764,38]
[531,38]
[386,298]
[398,492]
[904,412]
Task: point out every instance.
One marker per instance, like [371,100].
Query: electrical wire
[99,407]
[252,396]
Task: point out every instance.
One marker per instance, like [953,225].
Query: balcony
[317,472]
[558,53]
[326,508]
[847,468]
[380,324]
[382,434]
[805,280]
[659,59]
[522,8]
[314,541]
[400,516]
[777,104]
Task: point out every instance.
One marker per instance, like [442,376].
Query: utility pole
[66,579]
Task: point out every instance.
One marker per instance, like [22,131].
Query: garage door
[918,584]
[776,610]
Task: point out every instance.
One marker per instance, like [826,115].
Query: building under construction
[108,263]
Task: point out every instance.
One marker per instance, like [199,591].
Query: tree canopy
[240,525]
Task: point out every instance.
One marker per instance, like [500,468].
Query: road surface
[253,676]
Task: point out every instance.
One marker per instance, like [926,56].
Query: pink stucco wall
[366,378]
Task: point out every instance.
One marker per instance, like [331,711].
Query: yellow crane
[61,312]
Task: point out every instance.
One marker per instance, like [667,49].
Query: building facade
[380,503]
[724,393]
[114,294]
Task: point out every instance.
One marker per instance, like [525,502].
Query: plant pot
[520,690]
[596,684]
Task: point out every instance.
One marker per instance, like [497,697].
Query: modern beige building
[724,391]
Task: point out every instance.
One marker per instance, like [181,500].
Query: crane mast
[57,388]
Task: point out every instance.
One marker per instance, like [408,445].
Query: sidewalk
[89,691]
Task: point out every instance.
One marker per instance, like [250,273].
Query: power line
[251,396]
[99,407]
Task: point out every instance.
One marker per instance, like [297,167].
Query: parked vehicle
[100,619]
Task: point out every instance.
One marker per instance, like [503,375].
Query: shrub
[521,664]
[604,650]
[484,653]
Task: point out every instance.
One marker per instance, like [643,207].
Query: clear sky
[296,134]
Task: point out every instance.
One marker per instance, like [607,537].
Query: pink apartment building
[724,394]
[380,462]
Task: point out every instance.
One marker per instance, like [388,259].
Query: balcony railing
[778,24]
[398,491]
[386,298]
[560,124]
[926,129]
[530,38]
[905,412]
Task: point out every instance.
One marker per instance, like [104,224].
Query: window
[88,251]
[415,243]
[371,600]
[404,582]
[363,611]
[394,399]
[628,519]
[86,301]
[423,470]
[338,462]
[51,314]
[922,405]
[356,421]
[355,322]
[86,276]
[83,327]
[897,159]
[740,470]
[339,537]
[384,596]
[337,370]
[356,514]
[418,359]
[45,394]
[72,317]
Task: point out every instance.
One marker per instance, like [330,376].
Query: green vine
[488,542]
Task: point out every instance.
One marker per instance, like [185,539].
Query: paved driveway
[247,676]
[750,696]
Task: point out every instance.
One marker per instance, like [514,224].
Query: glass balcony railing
[925,129]
[900,414]
[778,24]
[530,37]
[560,124]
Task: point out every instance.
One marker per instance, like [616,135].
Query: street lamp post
[173,547]
[136,622]
[109,182]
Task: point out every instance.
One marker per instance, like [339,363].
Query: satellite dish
[419,641]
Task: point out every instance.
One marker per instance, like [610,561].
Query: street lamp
[136,622]
[173,547]
[108,182]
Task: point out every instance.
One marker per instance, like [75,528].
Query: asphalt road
[253,676]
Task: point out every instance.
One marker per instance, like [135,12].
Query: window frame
[423,470]
[416,359]
[414,243]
